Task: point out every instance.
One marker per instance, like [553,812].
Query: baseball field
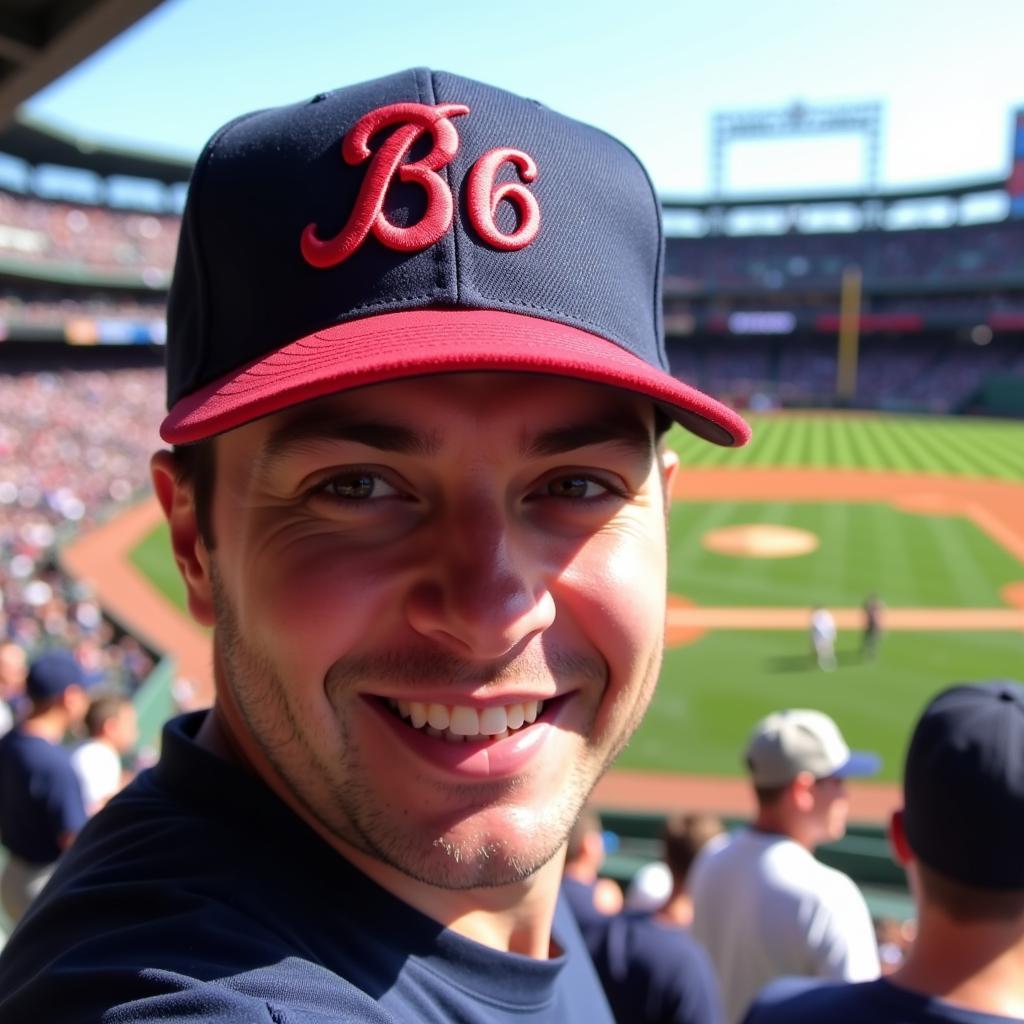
[823,508]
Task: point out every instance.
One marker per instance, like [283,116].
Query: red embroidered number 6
[483,198]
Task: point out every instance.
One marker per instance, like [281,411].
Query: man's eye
[359,485]
[577,487]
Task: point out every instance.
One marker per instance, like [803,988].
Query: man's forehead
[422,413]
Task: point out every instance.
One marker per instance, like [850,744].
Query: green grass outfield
[957,447]
[713,690]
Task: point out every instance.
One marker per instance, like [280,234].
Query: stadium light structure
[798,120]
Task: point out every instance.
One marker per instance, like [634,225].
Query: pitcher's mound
[760,541]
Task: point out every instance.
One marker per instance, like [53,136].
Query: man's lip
[478,758]
[470,700]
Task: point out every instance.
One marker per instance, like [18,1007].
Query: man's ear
[669,466]
[898,839]
[190,553]
[802,791]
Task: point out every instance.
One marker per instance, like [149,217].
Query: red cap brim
[412,344]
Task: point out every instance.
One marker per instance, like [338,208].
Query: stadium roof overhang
[42,39]
[38,143]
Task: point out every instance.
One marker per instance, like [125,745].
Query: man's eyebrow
[303,431]
[622,429]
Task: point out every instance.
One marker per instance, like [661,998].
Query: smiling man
[417,387]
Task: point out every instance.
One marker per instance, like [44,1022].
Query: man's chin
[456,868]
[475,853]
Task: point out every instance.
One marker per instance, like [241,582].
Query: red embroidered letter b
[368,215]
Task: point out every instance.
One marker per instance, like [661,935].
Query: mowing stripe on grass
[957,447]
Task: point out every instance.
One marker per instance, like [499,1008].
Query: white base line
[917,619]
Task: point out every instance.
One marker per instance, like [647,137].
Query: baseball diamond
[927,512]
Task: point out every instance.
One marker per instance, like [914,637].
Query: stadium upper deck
[752,285]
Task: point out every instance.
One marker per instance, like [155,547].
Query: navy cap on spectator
[51,674]
[964,785]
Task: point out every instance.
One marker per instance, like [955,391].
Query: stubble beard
[339,797]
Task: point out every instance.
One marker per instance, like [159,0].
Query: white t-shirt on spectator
[764,907]
[99,771]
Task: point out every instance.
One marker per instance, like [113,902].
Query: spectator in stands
[683,838]
[41,807]
[588,893]
[662,887]
[961,839]
[823,638]
[652,972]
[649,888]
[13,670]
[763,905]
[113,731]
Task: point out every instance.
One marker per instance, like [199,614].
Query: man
[763,906]
[873,611]
[651,969]
[960,838]
[41,809]
[823,638]
[590,896]
[684,837]
[416,386]
[13,672]
[113,728]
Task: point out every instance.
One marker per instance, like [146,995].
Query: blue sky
[949,73]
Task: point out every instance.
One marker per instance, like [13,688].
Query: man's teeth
[456,723]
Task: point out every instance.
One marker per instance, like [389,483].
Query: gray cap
[797,740]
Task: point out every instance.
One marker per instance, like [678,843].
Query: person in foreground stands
[960,836]
[763,906]
[590,896]
[651,970]
[113,729]
[417,389]
[41,805]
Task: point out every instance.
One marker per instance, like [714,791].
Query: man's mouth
[460,723]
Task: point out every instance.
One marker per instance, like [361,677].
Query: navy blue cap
[421,223]
[964,785]
[51,674]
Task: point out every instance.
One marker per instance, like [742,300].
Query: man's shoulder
[297,991]
[665,942]
[810,1001]
[48,763]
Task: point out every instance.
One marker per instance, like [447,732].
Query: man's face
[126,728]
[831,808]
[487,551]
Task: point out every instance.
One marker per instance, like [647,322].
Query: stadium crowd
[952,257]
[73,448]
[39,231]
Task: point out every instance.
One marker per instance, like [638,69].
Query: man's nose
[487,587]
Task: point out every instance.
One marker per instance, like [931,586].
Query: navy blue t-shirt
[40,797]
[652,973]
[803,1001]
[196,895]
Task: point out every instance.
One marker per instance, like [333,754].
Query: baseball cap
[421,223]
[51,674]
[797,740]
[649,889]
[963,785]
